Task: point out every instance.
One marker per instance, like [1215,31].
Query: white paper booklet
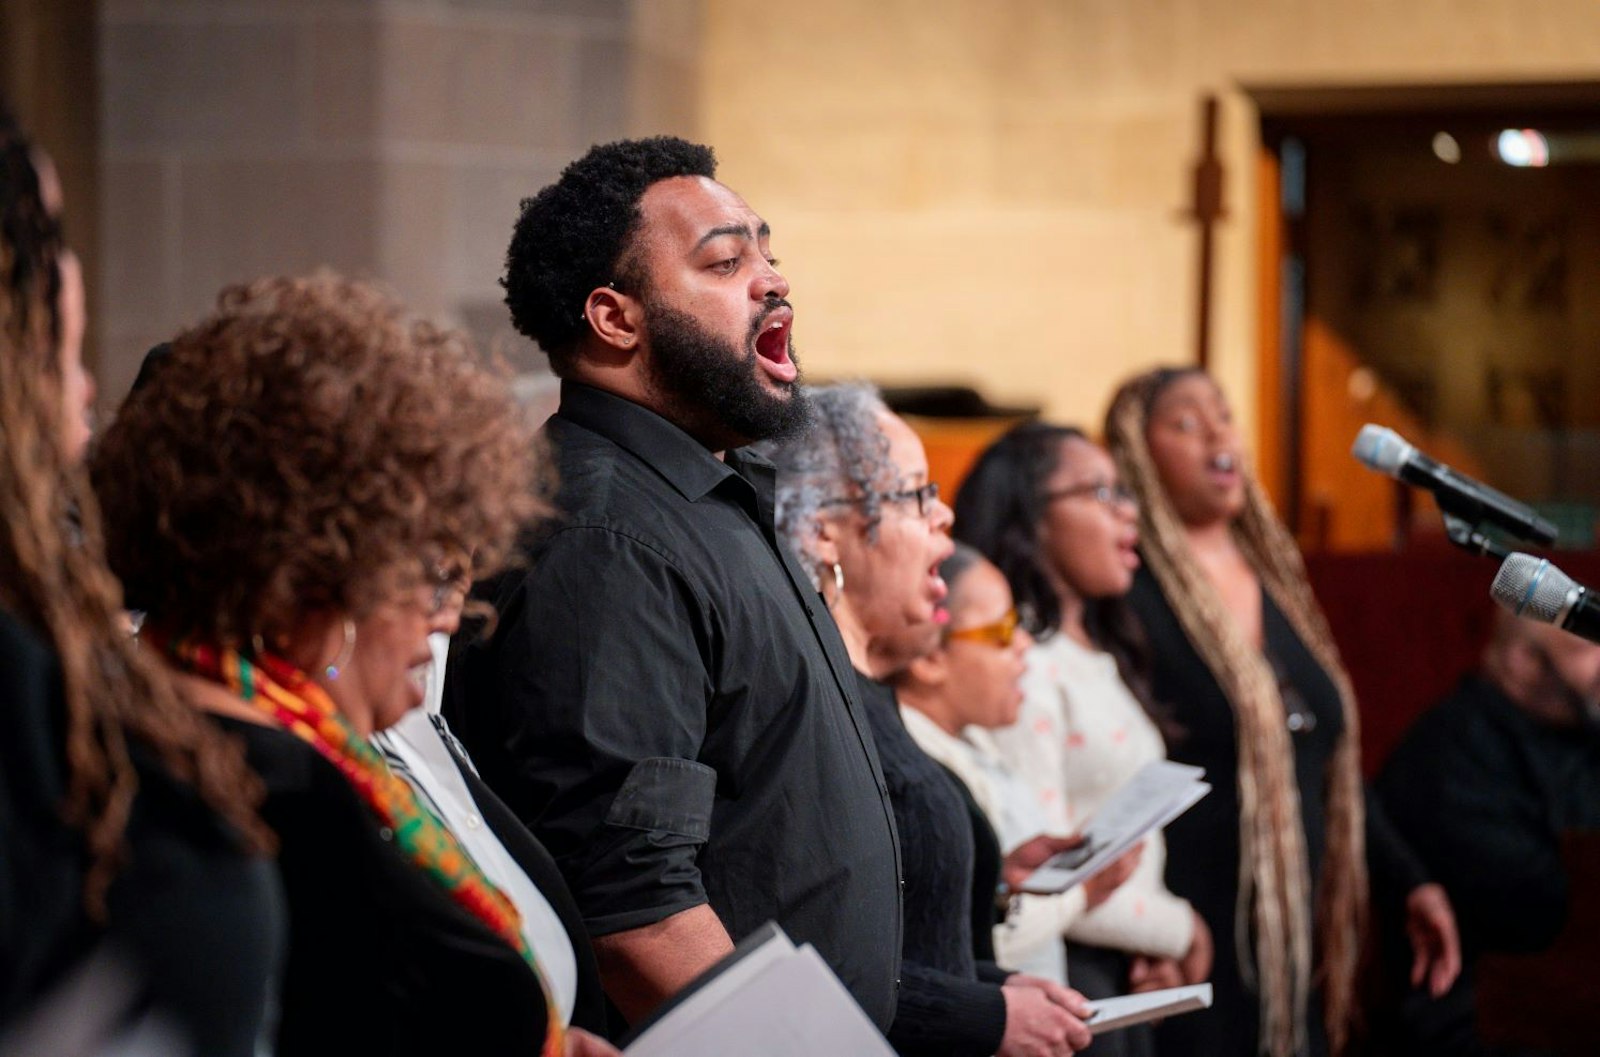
[1157,794]
[768,997]
[1126,1010]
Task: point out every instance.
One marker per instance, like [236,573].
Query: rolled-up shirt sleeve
[604,685]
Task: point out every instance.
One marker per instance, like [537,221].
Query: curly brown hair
[53,574]
[309,448]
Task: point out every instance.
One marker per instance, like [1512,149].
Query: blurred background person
[1485,786]
[855,502]
[1275,858]
[126,823]
[1047,506]
[950,699]
[293,499]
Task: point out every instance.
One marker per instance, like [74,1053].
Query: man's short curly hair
[309,448]
[576,234]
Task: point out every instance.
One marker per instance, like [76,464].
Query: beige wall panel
[941,172]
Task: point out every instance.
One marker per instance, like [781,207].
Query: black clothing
[1484,791]
[668,705]
[944,1007]
[986,864]
[381,959]
[198,923]
[1100,972]
[589,1003]
[1203,848]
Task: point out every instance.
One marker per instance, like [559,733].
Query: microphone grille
[1380,449]
[1532,587]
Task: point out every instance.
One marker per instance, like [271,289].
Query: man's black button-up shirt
[669,706]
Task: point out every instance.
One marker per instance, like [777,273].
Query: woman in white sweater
[1045,505]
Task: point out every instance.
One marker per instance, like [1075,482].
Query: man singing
[666,701]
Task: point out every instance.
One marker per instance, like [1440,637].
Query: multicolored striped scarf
[294,702]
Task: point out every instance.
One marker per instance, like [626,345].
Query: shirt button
[385,833]
[474,822]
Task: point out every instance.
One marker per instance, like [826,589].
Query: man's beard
[713,390]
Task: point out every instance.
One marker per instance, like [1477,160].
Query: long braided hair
[53,574]
[1274,901]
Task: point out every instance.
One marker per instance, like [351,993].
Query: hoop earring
[332,671]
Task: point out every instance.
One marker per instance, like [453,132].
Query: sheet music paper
[774,999]
[1127,1010]
[1157,794]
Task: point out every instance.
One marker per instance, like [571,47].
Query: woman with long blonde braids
[1276,857]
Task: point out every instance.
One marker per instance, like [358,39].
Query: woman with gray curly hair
[855,501]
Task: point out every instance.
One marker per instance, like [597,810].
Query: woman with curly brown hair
[125,821]
[293,499]
[1276,858]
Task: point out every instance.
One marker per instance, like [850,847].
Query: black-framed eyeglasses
[1101,492]
[925,497]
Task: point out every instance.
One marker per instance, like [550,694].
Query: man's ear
[614,317]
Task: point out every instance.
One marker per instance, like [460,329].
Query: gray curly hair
[843,455]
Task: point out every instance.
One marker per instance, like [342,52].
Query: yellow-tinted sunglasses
[1000,633]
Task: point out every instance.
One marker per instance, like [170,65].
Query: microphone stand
[1470,538]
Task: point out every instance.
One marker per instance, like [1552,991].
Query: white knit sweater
[1081,735]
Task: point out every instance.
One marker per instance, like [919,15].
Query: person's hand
[1195,965]
[1060,994]
[1032,854]
[1435,943]
[1149,973]
[582,1044]
[1098,889]
[1043,1019]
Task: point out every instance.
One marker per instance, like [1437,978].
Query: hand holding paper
[1159,793]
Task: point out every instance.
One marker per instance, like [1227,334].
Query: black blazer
[381,959]
[589,1008]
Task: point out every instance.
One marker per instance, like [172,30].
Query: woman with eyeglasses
[1045,504]
[1276,857]
[952,700]
[294,500]
[855,502]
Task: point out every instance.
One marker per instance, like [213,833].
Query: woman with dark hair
[953,700]
[1276,859]
[295,499]
[855,502]
[1044,503]
[127,824]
